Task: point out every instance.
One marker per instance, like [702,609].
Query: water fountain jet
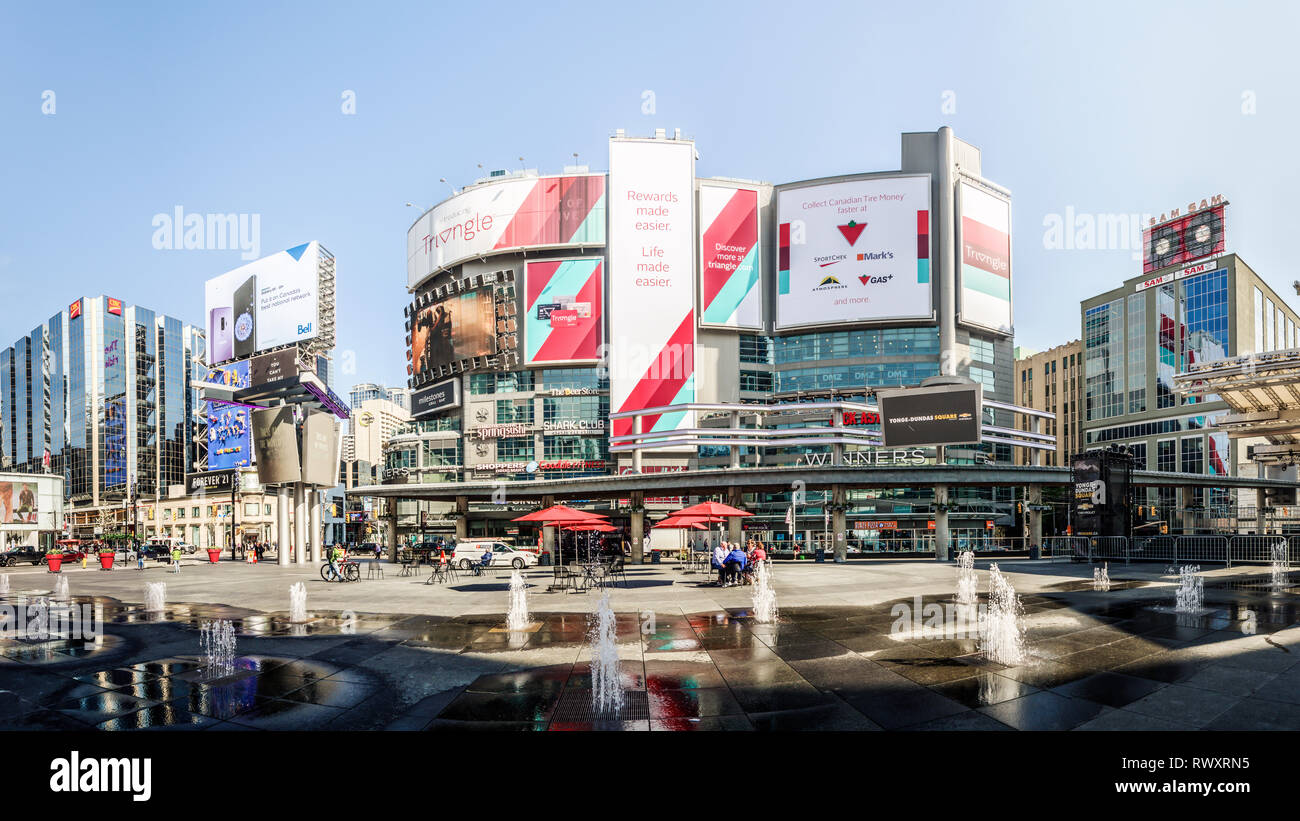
[1002,630]
[298,603]
[217,641]
[1190,595]
[517,616]
[1279,565]
[155,596]
[1101,577]
[765,611]
[606,692]
[966,580]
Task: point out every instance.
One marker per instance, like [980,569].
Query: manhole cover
[575,707]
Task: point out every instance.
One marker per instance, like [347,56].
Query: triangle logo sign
[852,231]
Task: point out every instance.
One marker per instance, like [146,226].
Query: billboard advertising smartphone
[565,310]
[267,303]
[652,280]
[854,251]
[984,237]
[729,258]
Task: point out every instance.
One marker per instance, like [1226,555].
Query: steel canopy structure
[1263,391]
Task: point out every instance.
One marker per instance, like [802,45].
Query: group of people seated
[736,565]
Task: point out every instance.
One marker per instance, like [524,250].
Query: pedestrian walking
[176,559]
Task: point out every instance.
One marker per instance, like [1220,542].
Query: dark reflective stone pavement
[1097,660]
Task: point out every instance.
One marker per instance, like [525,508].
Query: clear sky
[1103,108]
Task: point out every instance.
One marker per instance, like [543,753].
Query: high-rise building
[1051,381]
[375,421]
[1137,336]
[102,392]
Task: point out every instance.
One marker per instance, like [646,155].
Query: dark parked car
[158,551]
[9,558]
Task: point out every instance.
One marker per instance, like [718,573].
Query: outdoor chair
[407,558]
[481,565]
[437,573]
[615,570]
[375,570]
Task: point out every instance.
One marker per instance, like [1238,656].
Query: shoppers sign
[853,251]
[940,415]
[652,280]
[515,213]
[730,254]
[271,302]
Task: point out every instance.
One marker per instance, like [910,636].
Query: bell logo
[304,329]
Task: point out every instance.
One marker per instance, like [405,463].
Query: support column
[282,525]
[637,526]
[299,524]
[391,509]
[462,517]
[548,542]
[839,527]
[1184,499]
[735,449]
[1035,517]
[636,454]
[1261,513]
[942,538]
[315,535]
[735,531]
[945,208]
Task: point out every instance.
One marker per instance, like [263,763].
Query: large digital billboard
[652,280]
[519,212]
[1201,233]
[854,251]
[985,241]
[565,310]
[18,502]
[276,441]
[456,328]
[729,258]
[267,303]
[940,415]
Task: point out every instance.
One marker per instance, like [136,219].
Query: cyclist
[336,562]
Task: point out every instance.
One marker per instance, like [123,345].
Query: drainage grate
[575,707]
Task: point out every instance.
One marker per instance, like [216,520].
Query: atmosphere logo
[852,231]
[829,283]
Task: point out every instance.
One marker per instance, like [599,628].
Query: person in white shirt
[719,555]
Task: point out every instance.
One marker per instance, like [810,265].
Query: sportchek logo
[852,231]
[830,259]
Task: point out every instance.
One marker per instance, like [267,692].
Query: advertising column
[652,280]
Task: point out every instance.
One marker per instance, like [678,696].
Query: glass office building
[1136,337]
[103,393]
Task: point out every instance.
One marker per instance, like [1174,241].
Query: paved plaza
[848,652]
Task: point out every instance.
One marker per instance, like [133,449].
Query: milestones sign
[940,415]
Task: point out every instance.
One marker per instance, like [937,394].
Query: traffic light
[1164,530]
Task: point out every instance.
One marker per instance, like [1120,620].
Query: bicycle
[348,572]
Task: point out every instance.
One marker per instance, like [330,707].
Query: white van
[470,552]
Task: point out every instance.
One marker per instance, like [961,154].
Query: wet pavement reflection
[837,667]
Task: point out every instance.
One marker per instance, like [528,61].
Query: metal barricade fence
[1154,549]
[1264,549]
[1065,547]
[1108,547]
[1202,549]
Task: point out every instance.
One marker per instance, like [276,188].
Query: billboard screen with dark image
[943,415]
[457,328]
[276,443]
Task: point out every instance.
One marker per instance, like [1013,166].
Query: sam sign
[940,415]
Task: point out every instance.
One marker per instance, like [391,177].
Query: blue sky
[1105,108]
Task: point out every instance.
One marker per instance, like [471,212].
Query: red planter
[213,555]
[106,561]
[55,563]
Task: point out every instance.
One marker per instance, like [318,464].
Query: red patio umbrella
[560,515]
[712,509]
